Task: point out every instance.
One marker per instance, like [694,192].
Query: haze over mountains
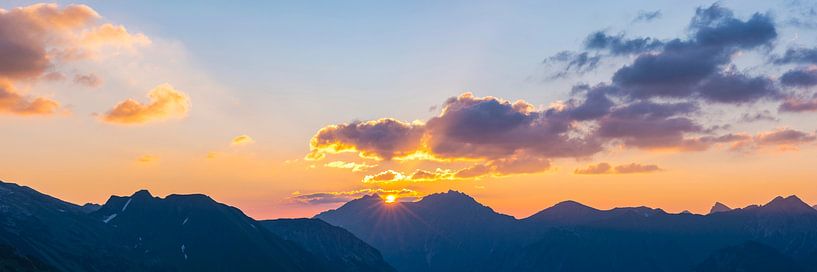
[442,232]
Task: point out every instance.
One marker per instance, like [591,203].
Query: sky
[286,109]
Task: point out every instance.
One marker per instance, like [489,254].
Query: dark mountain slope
[195,233]
[452,232]
[48,230]
[335,245]
[749,257]
[441,232]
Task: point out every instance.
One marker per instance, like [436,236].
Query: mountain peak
[571,205]
[142,194]
[719,207]
[450,197]
[790,204]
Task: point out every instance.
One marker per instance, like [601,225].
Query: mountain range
[441,232]
[176,233]
[452,232]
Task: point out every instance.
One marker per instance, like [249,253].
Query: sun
[391,198]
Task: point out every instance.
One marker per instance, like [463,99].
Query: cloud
[647,16]
[784,136]
[764,115]
[606,168]
[573,62]
[695,67]
[381,139]
[36,38]
[346,196]
[794,104]
[805,77]
[798,55]
[165,103]
[781,138]
[650,125]
[113,35]
[354,166]
[11,102]
[618,45]
[88,80]
[490,128]
[36,41]
[147,159]
[242,140]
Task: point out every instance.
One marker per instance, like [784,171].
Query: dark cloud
[384,138]
[694,67]
[618,45]
[717,26]
[647,16]
[737,88]
[805,77]
[472,127]
[650,125]
[595,104]
[758,116]
[798,55]
[573,62]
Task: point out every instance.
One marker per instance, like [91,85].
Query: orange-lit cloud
[113,35]
[606,168]
[784,139]
[165,103]
[147,159]
[354,166]
[242,140]
[345,196]
[14,103]
[38,38]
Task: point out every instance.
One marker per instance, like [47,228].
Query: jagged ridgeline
[441,232]
[177,233]
[453,232]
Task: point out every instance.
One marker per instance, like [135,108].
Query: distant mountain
[719,207]
[442,232]
[38,229]
[196,233]
[334,244]
[749,257]
[453,232]
[177,233]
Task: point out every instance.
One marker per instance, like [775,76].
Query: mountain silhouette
[196,233]
[46,230]
[448,231]
[176,233]
[749,257]
[719,207]
[453,232]
[441,232]
[333,244]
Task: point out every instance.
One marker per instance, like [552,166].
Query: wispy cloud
[606,168]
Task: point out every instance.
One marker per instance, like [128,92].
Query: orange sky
[111,103]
